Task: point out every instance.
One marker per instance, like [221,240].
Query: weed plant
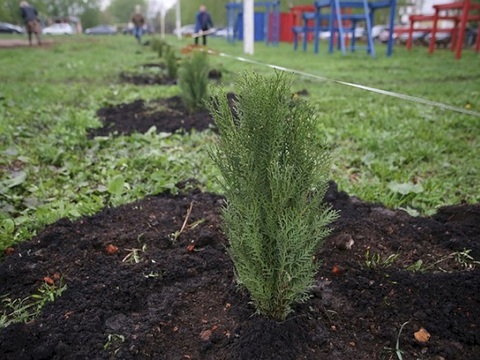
[27,309]
[275,170]
[193,80]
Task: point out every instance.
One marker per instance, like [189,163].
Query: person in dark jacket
[203,22]
[29,15]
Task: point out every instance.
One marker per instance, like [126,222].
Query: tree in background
[91,17]
[9,9]
[6,14]
[64,8]
[216,8]
[122,10]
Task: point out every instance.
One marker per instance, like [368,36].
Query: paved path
[19,42]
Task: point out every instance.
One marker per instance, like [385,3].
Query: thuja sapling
[275,170]
[172,66]
[157,46]
[193,80]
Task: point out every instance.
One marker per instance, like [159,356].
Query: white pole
[248,24]
[163,13]
[178,20]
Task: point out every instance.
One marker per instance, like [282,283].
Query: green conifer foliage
[193,80]
[275,170]
[171,60]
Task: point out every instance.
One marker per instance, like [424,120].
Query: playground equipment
[266,21]
[342,21]
[341,16]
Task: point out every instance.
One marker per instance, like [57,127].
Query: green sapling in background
[171,61]
[193,80]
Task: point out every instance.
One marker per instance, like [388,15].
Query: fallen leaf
[214,327]
[9,251]
[56,276]
[205,335]
[191,247]
[337,270]
[111,249]
[48,280]
[354,177]
[68,314]
[175,329]
[422,335]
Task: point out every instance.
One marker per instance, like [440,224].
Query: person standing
[138,22]
[29,15]
[203,22]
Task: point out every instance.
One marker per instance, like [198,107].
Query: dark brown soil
[145,78]
[167,115]
[178,299]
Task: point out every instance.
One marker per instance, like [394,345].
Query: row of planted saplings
[192,72]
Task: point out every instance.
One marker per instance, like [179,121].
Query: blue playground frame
[271,11]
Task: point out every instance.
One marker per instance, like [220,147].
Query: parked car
[359,33]
[380,33]
[185,30]
[58,29]
[147,29]
[441,38]
[6,28]
[377,31]
[224,32]
[417,36]
[101,30]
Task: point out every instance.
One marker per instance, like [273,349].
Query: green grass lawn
[385,149]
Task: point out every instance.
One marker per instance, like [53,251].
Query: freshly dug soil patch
[175,297]
[146,79]
[139,78]
[167,115]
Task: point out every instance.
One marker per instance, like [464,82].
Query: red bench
[465,12]
[429,28]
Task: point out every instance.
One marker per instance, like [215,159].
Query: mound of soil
[167,115]
[146,78]
[152,280]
